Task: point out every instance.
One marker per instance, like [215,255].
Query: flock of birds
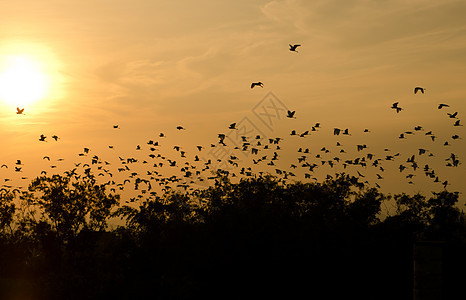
[152,170]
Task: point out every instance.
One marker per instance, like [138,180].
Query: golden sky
[149,66]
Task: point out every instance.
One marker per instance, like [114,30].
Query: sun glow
[22,80]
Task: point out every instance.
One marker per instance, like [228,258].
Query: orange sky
[150,66]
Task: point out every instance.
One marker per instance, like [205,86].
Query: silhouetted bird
[361,147]
[232,126]
[441,105]
[290,114]
[457,123]
[180,127]
[257,83]
[293,47]
[304,133]
[221,137]
[19,111]
[416,89]
[395,106]
[453,115]
[42,138]
[115,126]
[55,137]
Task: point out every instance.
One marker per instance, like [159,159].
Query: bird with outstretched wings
[395,106]
[254,84]
[290,114]
[293,47]
[419,89]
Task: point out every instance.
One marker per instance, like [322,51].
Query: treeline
[256,238]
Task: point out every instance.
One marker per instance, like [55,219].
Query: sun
[22,80]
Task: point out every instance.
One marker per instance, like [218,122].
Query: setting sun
[22,81]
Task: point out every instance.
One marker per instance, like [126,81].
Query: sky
[150,66]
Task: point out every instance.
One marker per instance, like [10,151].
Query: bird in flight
[453,115]
[19,111]
[290,114]
[416,89]
[293,47]
[42,138]
[232,126]
[395,106]
[179,127]
[442,105]
[257,83]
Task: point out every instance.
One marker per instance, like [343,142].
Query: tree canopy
[256,234]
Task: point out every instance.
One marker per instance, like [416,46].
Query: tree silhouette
[259,235]
[7,211]
[72,205]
